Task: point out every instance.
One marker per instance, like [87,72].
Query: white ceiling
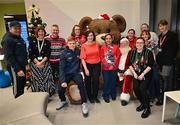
[11,1]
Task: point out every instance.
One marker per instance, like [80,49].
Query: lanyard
[162,40]
[40,47]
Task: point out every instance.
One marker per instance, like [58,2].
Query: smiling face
[55,31]
[162,28]
[130,34]
[77,31]
[108,39]
[90,37]
[144,27]
[71,44]
[15,30]
[140,44]
[41,34]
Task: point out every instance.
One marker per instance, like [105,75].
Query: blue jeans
[109,78]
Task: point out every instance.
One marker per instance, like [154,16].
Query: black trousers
[77,78]
[92,81]
[141,91]
[55,72]
[18,82]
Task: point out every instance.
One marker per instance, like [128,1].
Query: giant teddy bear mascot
[103,25]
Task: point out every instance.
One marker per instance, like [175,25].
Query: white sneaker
[85,109]
[62,104]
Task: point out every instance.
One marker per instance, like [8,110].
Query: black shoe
[140,108]
[106,100]
[124,103]
[146,113]
[159,103]
[97,100]
[114,98]
[91,100]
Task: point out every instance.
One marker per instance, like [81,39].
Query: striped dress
[42,79]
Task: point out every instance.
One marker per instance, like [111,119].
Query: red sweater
[132,43]
[110,55]
[57,45]
[90,53]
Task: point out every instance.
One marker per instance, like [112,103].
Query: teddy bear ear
[84,23]
[121,22]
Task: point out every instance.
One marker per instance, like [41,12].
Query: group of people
[55,62]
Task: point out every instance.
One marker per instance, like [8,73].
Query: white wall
[66,13]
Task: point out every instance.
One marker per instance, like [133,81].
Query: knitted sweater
[57,45]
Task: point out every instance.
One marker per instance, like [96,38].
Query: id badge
[40,58]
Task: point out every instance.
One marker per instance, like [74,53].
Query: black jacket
[69,63]
[169,49]
[33,49]
[15,51]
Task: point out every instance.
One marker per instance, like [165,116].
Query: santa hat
[105,17]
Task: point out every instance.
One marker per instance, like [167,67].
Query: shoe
[159,103]
[85,110]
[97,100]
[124,103]
[146,113]
[114,98]
[106,100]
[91,100]
[140,108]
[62,105]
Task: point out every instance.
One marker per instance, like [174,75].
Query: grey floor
[112,113]
[103,114]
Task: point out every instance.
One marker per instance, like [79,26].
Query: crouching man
[69,69]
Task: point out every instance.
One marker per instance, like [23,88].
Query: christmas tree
[34,21]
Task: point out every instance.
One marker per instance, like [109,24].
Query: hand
[39,65]
[20,73]
[135,76]
[87,72]
[64,84]
[121,74]
[141,77]
[27,67]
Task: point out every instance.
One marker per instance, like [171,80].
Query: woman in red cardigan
[110,55]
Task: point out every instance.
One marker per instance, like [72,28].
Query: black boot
[124,103]
[97,100]
[146,113]
[140,108]
[160,100]
[106,100]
